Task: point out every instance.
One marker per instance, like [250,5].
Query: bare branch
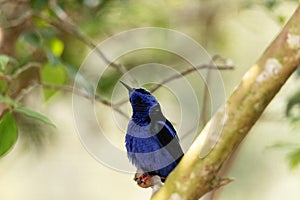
[6,78]
[184,73]
[67,88]
[188,71]
[25,68]
[18,21]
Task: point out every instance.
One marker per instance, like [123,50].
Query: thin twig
[24,92]
[18,21]
[26,67]
[188,71]
[66,20]
[67,88]
[184,73]
[6,78]
[10,78]
[64,23]
[205,99]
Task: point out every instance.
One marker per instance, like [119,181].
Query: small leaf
[8,133]
[56,46]
[35,115]
[294,158]
[4,59]
[54,75]
[281,19]
[3,86]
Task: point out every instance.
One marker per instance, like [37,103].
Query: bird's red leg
[145,180]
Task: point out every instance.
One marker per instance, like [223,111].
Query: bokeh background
[51,163]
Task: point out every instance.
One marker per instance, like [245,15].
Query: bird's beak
[130,89]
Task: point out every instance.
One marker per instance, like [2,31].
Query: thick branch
[197,172]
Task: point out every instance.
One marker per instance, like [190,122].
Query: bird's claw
[145,180]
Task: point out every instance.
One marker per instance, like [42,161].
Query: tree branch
[190,70]
[67,88]
[18,21]
[183,73]
[197,173]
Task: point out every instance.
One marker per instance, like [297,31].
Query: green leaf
[8,100]
[35,115]
[8,133]
[4,59]
[56,46]
[3,86]
[281,19]
[294,158]
[53,75]
[54,50]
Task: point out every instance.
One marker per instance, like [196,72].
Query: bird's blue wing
[165,133]
[168,138]
[169,127]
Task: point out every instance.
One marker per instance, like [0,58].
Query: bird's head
[140,98]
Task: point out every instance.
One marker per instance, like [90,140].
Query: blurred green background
[51,163]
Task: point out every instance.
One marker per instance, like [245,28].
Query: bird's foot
[146,180]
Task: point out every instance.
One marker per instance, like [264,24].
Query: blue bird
[151,141]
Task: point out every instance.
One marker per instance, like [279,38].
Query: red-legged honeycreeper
[151,141]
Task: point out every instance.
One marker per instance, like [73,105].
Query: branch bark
[197,175]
